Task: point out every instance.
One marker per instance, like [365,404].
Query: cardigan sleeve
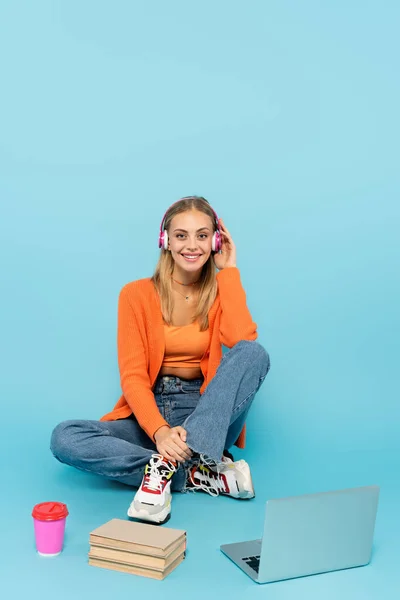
[132,362]
[236,321]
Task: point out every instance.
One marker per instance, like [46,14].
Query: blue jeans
[119,450]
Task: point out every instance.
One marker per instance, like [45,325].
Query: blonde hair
[162,274]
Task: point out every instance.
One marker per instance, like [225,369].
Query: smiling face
[189,240]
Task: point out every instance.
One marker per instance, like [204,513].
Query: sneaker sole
[158,519]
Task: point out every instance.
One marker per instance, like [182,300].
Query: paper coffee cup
[49,524]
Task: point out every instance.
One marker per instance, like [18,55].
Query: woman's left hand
[227,258]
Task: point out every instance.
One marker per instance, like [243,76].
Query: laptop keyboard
[253,562]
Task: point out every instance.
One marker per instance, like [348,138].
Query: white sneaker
[226,477]
[152,501]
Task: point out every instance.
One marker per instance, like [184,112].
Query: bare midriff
[182,372]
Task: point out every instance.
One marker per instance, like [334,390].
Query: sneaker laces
[214,484]
[156,470]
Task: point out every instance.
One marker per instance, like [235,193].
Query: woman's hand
[170,442]
[227,258]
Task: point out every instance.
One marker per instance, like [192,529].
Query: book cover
[142,538]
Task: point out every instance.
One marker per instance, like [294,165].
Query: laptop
[310,534]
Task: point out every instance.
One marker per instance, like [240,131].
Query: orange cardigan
[141,344]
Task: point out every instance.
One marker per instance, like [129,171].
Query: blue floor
[285,115]
[32,475]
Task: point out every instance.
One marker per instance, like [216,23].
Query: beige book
[142,550]
[106,564]
[136,559]
[141,538]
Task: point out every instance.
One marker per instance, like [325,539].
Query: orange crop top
[185,345]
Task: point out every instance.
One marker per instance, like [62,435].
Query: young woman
[184,402]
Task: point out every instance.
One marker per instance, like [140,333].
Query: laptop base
[245,555]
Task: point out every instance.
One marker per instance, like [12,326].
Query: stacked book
[137,548]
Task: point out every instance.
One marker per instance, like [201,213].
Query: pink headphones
[216,242]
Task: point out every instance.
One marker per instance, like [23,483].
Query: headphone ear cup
[216,242]
[165,239]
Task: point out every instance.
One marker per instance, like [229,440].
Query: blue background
[285,116]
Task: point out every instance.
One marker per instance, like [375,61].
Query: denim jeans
[119,450]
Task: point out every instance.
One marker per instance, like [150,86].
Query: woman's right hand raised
[171,443]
